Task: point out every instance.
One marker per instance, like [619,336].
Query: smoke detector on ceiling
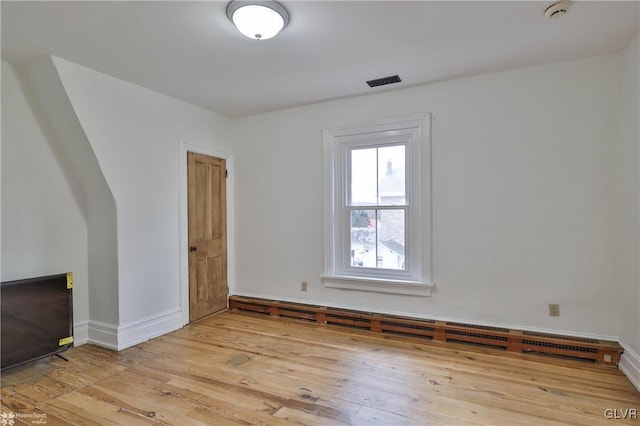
[557,10]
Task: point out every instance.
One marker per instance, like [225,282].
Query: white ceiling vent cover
[384,81]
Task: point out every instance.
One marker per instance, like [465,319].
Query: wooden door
[207,207]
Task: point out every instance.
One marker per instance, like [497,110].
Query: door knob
[193,248]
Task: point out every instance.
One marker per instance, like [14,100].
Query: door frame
[184,223]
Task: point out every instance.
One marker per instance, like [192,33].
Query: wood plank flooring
[237,369]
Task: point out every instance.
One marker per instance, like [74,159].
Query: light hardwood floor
[238,369]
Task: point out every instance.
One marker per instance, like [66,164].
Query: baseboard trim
[630,365]
[81,333]
[135,332]
[103,334]
[119,337]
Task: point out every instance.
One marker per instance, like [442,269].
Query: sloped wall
[44,208]
[136,135]
[48,91]
[111,152]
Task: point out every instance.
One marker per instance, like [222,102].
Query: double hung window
[377,206]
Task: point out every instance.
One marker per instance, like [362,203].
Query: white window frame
[415,133]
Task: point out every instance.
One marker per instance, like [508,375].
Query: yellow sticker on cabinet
[65,341]
[69,280]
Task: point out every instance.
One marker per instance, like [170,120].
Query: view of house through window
[377,206]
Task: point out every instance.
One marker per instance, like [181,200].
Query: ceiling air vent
[384,80]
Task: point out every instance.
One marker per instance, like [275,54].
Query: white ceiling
[191,51]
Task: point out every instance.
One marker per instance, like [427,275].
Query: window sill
[409,288]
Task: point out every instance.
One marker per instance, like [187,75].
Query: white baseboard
[103,334]
[139,331]
[80,333]
[630,365]
[119,337]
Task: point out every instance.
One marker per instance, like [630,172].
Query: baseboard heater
[598,351]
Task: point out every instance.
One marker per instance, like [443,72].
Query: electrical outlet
[554,310]
[304,286]
[606,358]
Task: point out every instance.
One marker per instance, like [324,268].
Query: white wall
[44,223]
[627,187]
[135,134]
[531,193]
[42,84]
[522,175]
[108,152]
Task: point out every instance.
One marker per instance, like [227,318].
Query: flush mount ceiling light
[557,10]
[259,20]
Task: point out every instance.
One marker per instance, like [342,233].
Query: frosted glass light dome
[259,20]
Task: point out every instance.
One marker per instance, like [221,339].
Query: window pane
[377,239]
[391,175]
[363,238]
[391,239]
[364,179]
[377,206]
